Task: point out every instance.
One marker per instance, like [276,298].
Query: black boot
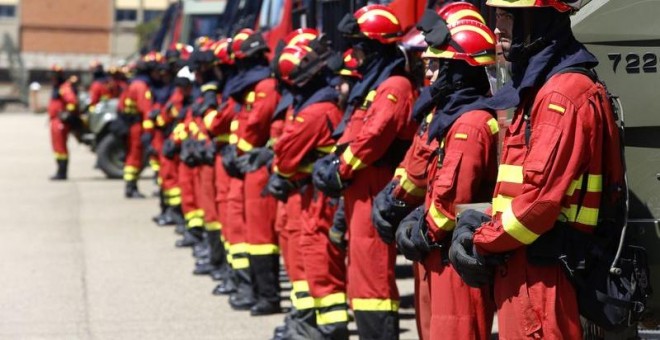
[180,228]
[191,237]
[61,173]
[220,273]
[265,270]
[228,285]
[243,298]
[201,250]
[132,190]
[163,208]
[216,254]
[171,216]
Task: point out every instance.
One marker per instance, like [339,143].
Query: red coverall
[136,105]
[98,91]
[308,134]
[538,183]
[65,100]
[259,106]
[467,174]
[384,117]
[169,167]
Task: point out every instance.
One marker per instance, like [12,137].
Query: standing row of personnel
[335,163]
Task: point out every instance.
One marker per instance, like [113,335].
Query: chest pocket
[542,148]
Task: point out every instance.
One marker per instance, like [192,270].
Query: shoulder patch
[392,97]
[557,108]
[462,136]
[147,95]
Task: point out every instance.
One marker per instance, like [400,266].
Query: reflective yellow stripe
[148,124]
[251,97]
[409,186]
[306,169]
[429,118]
[300,119]
[233,138]
[370,98]
[160,121]
[213,226]
[223,138]
[516,229]
[330,300]
[557,108]
[304,303]
[493,125]
[195,222]
[147,95]
[194,129]
[261,95]
[299,303]
[130,173]
[241,263]
[154,164]
[61,156]
[380,305]
[440,220]
[233,126]
[300,286]
[276,169]
[331,317]
[398,172]
[208,87]
[510,173]
[238,248]
[209,118]
[587,216]
[194,213]
[325,149]
[173,201]
[351,160]
[172,192]
[501,203]
[392,98]
[462,136]
[594,184]
[244,146]
[70,107]
[263,249]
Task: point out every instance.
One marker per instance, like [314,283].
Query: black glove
[153,115]
[146,139]
[208,152]
[190,153]
[387,212]
[280,187]
[256,158]
[325,176]
[169,149]
[409,239]
[337,234]
[229,156]
[471,266]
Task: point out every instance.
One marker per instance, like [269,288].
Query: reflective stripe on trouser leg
[239,256]
[300,297]
[130,173]
[172,196]
[195,219]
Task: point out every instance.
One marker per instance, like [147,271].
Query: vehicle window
[271,13]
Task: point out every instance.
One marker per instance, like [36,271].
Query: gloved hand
[387,212]
[337,233]
[471,266]
[153,115]
[256,158]
[196,109]
[325,176]
[280,187]
[208,152]
[169,149]
[411,235]
[229,156]
[146,140]
[190,152]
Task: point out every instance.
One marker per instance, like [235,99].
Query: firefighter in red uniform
[376,137]
[135,105]
[308,136]
[550,174]
[99,89]
[64,117]
[254,91]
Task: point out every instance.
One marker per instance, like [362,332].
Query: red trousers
[422,302]
[371,261]
[207,197]
[457,310]
[190,196]
[169,175]
[221,190]
[535,302]
[133,162]
[234,228]
[260,214]
[293,255]
[59,132]
[154,159]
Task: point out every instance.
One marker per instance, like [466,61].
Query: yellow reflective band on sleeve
[440,220]
[375,305]
[213,226]
[276,169]
[330,300]
[194,129]
[409,186]
[556,108]
[331,317]
[392,98]
[398,172]
[223,138]
[493,125]
[351,160]
[148,124]
[160,122]
[233,126]
[70,107]
[594,184]
[174,112]
[209,87]
[250,97]
[369,99]
[209,117]
[325,149]
[233,139]
[244,145]
[587,216]
[501,203]
[510,173]
[516,229]
[61,156]
[462,136]
[202,136]
[147,95]
[240,263]
[263,249]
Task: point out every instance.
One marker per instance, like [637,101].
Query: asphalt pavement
[78,261]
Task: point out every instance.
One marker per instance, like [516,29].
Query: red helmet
[290,60]
[350,65]
[379,23]
[178,51]
[471,41]
[221,52]
[455,11]
[301,36]
[238,40]
[560,5]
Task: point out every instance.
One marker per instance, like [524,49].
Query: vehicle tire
[110,153]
